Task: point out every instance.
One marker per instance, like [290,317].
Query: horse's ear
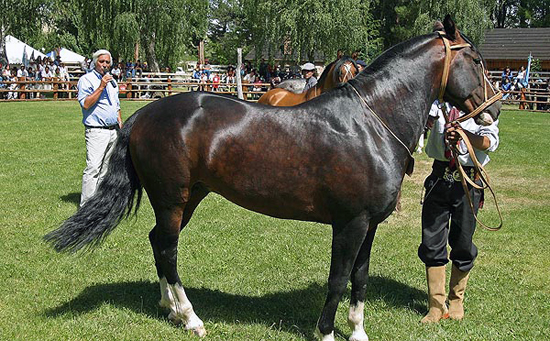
[339,54]
[450,27]
[438,26]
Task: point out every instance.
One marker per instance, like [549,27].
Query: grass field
[251,277]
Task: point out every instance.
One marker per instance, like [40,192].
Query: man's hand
[105,80]
[452,135]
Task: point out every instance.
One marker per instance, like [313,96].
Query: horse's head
[345,69]
[467,86]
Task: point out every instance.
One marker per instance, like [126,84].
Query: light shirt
[104,112]
[435,147]
[310,83]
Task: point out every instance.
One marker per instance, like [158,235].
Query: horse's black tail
[112,202]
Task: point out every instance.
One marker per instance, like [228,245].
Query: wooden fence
[134,89]
[154,86]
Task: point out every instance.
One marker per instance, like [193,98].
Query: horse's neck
[402,100]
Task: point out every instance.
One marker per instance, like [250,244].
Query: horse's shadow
[293,311]
[71,198]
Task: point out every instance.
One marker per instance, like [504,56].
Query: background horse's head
[468,87]
[338,72]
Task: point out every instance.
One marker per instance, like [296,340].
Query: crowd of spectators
[515,84]
[39,72]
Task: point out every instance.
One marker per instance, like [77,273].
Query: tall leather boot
[457,285]
[436,294]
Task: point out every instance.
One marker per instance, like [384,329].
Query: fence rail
[137,88]
[534,98]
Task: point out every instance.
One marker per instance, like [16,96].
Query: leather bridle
[445,78]
[483,176]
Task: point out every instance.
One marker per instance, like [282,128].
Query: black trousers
[447,217]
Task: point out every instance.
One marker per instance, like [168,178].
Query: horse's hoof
[328,337]
[359,336]
[199,331]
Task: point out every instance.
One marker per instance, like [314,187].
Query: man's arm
[94,96]
[478,141]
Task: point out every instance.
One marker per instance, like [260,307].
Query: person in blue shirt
[98,98]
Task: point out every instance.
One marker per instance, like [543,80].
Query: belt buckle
[448,176]
[456,175]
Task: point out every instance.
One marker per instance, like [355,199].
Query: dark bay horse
[339,71]
[330,160]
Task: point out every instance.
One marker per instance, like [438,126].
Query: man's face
[103,61]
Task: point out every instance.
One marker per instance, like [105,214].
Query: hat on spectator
[308,67]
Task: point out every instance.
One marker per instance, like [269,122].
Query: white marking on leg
[328,337]
[355,322]
[173,297]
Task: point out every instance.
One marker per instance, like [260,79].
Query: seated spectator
[46,76]
[521,78]
[215,81]
[506,82]
[230,79]
[116,72]
[22,73]
[13,94]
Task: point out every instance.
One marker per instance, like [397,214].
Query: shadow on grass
[71,198]
[293,311]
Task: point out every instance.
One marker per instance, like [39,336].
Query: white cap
[308,67]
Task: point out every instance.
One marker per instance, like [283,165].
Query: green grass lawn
[252,277]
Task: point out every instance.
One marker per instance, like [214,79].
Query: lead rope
[381,121]
[483,175]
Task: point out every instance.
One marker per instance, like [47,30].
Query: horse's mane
[398,51]
[324,75]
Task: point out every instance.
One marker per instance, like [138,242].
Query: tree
[20,18]
[309,26]
[402,19]
[162,29]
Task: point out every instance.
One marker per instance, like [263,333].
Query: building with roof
[511,47]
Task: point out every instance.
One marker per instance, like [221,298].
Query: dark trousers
[447,217]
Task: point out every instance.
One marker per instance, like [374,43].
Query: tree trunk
[3,53]
[149,43]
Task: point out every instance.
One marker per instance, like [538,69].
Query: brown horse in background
[338,72]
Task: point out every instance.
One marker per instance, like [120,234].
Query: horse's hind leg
[359,277]
[347,239]
[164,241]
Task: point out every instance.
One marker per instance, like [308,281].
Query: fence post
[22,86]
[169,86]
[55,87]
[129,90]
[239,82]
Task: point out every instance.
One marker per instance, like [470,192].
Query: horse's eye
[477,60]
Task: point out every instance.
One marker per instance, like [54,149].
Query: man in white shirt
[446,212]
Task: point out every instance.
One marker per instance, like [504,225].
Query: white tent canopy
[18,52]
[67,56]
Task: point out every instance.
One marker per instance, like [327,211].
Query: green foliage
[311,26]
[522,13]
[416,17]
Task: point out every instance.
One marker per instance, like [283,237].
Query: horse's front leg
[359,277]
[164,240]
[347,238]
